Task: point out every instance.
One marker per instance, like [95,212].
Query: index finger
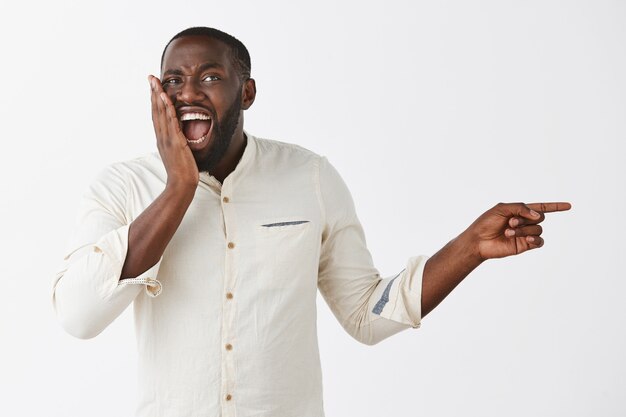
[155,110]
[155,82]
[549,207]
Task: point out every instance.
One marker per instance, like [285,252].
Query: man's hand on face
[180,165]
[510,229]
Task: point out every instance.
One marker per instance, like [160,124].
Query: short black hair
[239,53]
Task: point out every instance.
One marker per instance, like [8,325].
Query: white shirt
[226,320]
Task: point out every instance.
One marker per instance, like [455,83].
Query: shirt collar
[249,153]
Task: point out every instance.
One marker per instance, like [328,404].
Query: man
[222,239]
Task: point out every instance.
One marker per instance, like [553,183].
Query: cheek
[171,93]
[222,96]
[216,97]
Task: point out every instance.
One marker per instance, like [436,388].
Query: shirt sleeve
[87,293]
[370,308]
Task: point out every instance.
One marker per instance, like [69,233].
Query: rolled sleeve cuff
[399,298]
[114,246]
[153,286]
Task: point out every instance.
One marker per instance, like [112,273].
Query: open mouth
[196,126]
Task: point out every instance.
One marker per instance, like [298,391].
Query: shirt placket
[228,345]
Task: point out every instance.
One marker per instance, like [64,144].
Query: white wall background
[433,111]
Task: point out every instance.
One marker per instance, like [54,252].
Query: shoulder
[136,168]
[117,176]
[279,154]
[270,148]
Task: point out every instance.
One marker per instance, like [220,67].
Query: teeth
[194,116]
[196,141]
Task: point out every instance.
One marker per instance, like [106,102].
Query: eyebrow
[203,67]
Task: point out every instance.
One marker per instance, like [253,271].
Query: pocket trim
[290,223]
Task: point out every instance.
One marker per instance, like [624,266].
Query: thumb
[526,212]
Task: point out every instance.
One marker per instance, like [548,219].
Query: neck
[231,158]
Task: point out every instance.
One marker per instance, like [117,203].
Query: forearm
[150,233]
[447,268]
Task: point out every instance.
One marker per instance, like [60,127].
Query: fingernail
[530,239]
[534,213]
[509,232]
[514,222]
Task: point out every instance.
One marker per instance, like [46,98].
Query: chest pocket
[288,250]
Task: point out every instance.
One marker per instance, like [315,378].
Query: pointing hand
[511,229]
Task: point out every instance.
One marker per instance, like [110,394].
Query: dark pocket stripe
[285,223]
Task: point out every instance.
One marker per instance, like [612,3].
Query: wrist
[180,189]
[467,246]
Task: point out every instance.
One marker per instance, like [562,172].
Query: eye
[170,81]
[211,78]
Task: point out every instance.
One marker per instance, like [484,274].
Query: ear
[248,92]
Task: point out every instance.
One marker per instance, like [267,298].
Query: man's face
[198,76]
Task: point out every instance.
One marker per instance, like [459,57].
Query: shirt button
[229,295]
[229,397]
[231,245]
[225,199]
[229,346]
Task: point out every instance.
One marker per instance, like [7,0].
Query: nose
[189,92]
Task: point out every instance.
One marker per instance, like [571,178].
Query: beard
[223,131]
